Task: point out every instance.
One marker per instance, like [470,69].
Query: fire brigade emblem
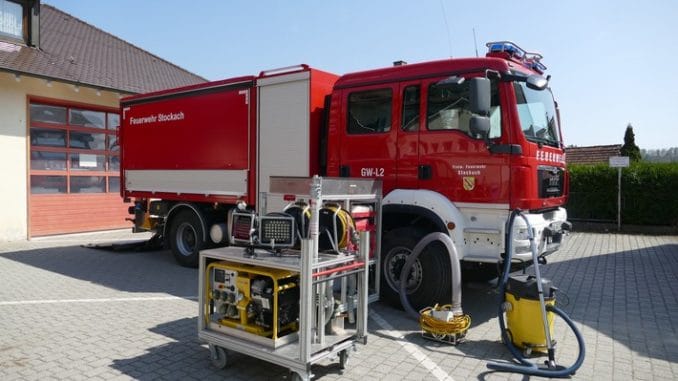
[469,183]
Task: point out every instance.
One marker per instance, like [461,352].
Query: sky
[612,62]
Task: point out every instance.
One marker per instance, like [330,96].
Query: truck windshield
[537,113]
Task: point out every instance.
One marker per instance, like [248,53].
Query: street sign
[619,161]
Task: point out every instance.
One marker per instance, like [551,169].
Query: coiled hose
[528,367]
[440,328]
[459,322]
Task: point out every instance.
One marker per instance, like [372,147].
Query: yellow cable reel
[338,223]
[446,326]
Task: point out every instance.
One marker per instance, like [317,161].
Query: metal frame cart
[315,339]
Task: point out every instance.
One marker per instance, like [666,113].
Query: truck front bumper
[549,230]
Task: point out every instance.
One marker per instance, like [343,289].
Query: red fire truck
[458,143]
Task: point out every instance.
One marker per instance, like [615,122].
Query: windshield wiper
[538,135]
[548,142]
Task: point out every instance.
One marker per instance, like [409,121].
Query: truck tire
[186,238]
[430,278]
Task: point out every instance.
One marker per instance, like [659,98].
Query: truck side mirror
[480,96]
[480,125]
[536,82]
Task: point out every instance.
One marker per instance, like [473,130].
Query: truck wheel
[185,238]
[429,280]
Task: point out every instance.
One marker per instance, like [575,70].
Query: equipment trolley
[308,302]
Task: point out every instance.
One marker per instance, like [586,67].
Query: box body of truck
[201,149]
[207,143]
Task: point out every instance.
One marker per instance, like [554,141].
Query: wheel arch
[424,208]
[176,208]
[400,215]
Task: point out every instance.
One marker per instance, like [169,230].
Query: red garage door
[74,169]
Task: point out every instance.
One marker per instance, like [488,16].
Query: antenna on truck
[447,28]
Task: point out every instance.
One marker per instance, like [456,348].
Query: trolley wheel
[296,377]
[343,359]
[219,357]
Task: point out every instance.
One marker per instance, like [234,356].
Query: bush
[648,193]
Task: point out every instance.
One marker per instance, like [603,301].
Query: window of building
[48,114]
[73,150]
[20,22]
[11,19]
[369,112]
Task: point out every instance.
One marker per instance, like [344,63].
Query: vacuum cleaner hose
[530,368]
[527,367]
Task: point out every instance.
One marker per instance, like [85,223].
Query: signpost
[619,162]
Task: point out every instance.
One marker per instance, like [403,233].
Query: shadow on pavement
[187,358]
[149,271]
[629,296]
[626,297]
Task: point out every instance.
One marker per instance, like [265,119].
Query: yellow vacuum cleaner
[529,305]
[523,312]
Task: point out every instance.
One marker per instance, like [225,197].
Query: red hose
[338,269]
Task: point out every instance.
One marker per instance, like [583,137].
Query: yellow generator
[523,314]
[258,300]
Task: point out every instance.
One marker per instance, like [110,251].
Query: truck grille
[551,181]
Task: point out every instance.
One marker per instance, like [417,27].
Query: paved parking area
[68,312]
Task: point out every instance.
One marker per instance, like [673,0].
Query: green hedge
[649,193]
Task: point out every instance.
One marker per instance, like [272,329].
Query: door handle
[425,172]
[344,171]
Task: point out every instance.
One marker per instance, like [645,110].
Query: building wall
[14,145]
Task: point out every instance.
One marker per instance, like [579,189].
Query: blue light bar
[527,59]
[506,46]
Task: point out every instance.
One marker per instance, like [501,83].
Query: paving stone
[619,288]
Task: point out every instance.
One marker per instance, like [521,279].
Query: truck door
[453,161]
[409,123]
[369,133]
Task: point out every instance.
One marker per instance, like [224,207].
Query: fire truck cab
[458,144]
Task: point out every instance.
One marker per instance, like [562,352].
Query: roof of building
[592,154]
[75,51]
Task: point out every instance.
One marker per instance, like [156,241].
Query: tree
[630,148]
